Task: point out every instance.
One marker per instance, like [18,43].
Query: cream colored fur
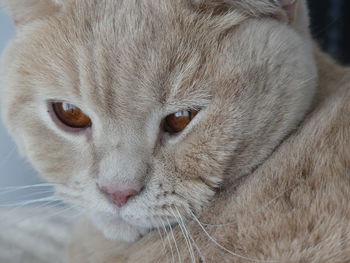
[34,234]
[128,64]
[293,208]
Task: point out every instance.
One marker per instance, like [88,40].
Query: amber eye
[71,115]
[178,121]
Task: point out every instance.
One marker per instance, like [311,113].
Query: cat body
[244,70]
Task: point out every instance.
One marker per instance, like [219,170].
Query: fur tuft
[293,12]
[23,12]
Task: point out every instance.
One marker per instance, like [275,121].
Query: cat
[144,111]
[293,208]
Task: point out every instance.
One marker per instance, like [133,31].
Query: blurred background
[330,26]
[330,21]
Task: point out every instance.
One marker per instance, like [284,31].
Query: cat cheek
[88,133]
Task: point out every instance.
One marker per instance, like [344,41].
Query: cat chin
[115,228]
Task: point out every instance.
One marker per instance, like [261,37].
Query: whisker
[31,222]
[189,246]
[195,245]
[171,246]
[222,247]
[261,208]
[189,235]
[27,195]
[172,234]
[161,237]
[30,202]
[22,187]
[64,211]
[49,204]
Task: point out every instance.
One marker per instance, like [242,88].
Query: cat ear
[24,11]
[290,9]
[284,10]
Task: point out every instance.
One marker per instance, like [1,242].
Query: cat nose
[118,196]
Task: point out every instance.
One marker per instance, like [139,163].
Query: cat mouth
[114,227]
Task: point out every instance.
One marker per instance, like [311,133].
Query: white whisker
[189,235]
[66,212]
[171,246]
[189,246]
[52,204]
[172,234]
[30,202]
[261,208]
[27,195]
[22,187]
[195,245]
[222,247]
[161,236]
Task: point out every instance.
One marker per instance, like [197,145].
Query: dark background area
[330,22]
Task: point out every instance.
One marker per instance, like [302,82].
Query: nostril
[119,197]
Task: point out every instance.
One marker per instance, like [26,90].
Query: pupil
[72,108]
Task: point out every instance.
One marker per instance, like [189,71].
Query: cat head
[140,111]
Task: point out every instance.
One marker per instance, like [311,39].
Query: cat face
[141,110]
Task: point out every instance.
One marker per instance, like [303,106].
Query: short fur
[128,64]
[293,208]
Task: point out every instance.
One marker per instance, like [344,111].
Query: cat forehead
[102,47]
[130,54]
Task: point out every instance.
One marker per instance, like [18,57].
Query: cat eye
[70,115]
[178,121]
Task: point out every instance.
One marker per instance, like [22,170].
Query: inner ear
[289,8]
[24,11]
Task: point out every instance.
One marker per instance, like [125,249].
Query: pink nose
[119,197]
